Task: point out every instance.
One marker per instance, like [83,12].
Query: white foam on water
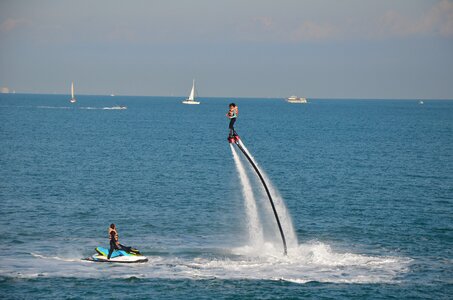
[103,108]
[312,261]
[80,107]
[54,257]
[115,107]
[308,262]
[88,107]
[54,107]
[253,223]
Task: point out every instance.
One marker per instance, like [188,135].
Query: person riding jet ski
[116,253]
[115,244]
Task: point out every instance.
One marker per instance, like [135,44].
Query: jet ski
[118,256]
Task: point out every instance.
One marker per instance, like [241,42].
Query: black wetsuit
[114,245]
[231,127]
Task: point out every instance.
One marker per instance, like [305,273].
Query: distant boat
[295,99]
[73,99]
[191,99]
[112,95]
[421,102]
[118,107]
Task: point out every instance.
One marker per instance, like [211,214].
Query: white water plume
[282,211]
[253,223]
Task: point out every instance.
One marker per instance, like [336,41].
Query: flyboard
[236,140]
[118,256]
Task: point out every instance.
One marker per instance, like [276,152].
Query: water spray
[254,227]
[236,140]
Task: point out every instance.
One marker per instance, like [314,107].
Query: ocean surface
[364,190]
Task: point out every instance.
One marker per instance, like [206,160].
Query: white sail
[192,92]
[73,99]
[192,96]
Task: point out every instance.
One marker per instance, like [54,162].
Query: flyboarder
[232,114]
[233,138]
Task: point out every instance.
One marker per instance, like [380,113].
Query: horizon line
[222,97]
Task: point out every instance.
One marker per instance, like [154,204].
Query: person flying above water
[232,114]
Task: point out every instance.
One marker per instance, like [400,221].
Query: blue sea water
[368,185]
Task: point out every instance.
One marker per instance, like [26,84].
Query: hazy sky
[256,48]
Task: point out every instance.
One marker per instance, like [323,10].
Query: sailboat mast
[72,90]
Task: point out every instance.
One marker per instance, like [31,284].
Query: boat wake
[310,262]
[84,107]
[105,108]
[54,107]
[115,107]
[54,257]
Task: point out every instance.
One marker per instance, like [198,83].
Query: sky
[396,49]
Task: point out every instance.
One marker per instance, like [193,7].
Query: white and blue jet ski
[118,256]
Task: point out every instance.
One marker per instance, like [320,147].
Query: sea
[363,190]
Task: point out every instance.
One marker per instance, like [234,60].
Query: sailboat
[73,99]
[191,99]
